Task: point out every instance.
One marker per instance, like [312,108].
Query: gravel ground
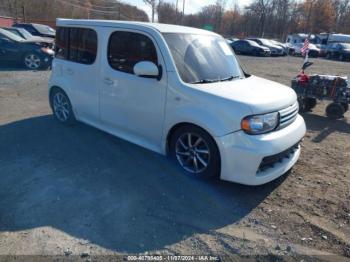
[79,191]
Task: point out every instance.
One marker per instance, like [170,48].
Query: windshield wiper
[206,81]
[230,78]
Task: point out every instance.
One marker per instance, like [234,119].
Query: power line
[116,5]
[95,10]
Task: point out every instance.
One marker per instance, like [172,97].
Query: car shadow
[114,194]
[10,66]
[325,126]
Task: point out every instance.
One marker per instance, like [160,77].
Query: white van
[178,91]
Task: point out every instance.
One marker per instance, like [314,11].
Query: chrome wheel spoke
[183,153]
[195,164]
[202,151]
[202,161]
[182,144]
[189,137]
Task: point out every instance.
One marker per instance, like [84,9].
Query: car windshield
[26,34]
[44,29]
[265,42]
[10,35]
[345,46]
[253,43]
[203,58]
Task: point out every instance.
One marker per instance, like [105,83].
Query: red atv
[309,88]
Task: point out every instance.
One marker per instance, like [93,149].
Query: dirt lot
[78,191]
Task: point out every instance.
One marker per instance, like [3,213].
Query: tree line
[263,18]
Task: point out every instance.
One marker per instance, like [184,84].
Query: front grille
[288,115]
[270,161]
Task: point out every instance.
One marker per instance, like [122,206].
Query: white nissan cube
[178,91]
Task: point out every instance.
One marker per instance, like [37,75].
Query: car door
[9,49]
[130,105]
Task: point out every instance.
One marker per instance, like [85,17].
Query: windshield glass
[26,34]
[253,43]
[345,46]
[11,35]
[203,58]
[265,42]
[44,29]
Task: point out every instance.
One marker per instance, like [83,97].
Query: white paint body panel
[143,110]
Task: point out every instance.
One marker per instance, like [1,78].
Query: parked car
[295,50]
[248,47]
[21,32]
[275,49]
[37,29]
[179,91]
[340,51]
[31,54]
[284,46]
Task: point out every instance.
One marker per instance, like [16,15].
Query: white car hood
[259,94]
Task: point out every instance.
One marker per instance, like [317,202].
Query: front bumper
[242,154]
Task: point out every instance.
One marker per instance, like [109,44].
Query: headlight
[259,124]
[48,51]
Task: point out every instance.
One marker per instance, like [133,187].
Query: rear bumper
[242,154]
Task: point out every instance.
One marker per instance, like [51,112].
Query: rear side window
[62,36]
[76,44]
[126,49]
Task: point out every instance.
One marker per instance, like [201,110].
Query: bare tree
[153,4]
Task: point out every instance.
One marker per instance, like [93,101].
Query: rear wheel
[61,107]
[195,151]
[335,111]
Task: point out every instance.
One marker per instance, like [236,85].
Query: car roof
[162,28]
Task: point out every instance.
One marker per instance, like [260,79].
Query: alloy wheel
[32,61]
[61,107]
[192,152]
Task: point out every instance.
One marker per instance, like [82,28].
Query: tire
[195,151]
[328,56]
[345,106]
[335,111]
[32,61]
[62,107]
[310,103]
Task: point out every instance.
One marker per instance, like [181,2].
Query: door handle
[108,81]
[70,71]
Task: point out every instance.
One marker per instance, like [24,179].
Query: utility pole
[177,13]
[16,12]
[183,10]
[24,13]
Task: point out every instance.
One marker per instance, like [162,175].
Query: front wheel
[195,151]
[61,107]
[32,61]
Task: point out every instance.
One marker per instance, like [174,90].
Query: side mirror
[147,69]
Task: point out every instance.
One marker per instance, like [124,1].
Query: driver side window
[126,49]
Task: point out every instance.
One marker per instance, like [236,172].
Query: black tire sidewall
[335,111]
[71,119]
[213,169]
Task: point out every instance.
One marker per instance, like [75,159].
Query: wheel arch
[175,127]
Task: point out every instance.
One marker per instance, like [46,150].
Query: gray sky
[192,6]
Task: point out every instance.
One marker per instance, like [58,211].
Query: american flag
[305,47]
